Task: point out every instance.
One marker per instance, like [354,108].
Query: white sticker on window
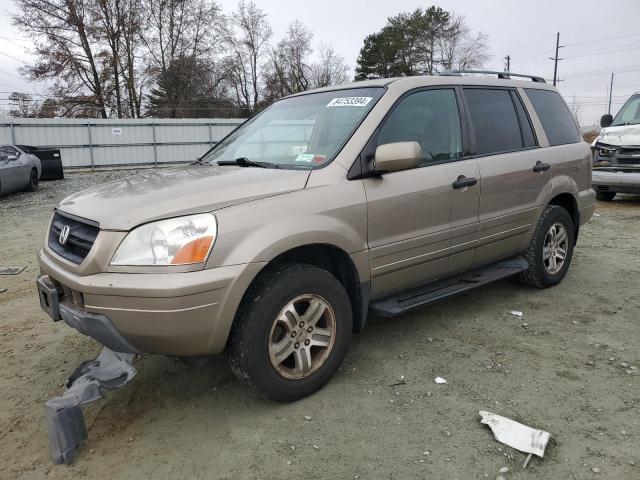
[350,102]
[305,157]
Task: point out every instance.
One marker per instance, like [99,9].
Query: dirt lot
[558,368]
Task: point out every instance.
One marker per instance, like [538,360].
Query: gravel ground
[568,366]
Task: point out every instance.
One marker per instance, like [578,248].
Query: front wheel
[551,248]
[33,181]
[291,332]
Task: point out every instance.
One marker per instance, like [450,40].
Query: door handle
[541,167]
[463,182]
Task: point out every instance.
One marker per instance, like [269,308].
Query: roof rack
[504,75]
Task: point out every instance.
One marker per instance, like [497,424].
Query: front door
[410,213]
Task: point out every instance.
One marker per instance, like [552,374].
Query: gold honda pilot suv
[329,206]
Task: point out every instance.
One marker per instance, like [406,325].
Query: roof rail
[504,75]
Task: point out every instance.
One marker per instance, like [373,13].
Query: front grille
[628,155]
[82,235]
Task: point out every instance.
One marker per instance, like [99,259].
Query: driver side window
[429,117]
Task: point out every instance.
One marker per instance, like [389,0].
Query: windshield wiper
[199,161]
[245,162]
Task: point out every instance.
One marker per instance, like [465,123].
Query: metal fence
[110,142]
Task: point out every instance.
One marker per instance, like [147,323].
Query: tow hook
[65,422]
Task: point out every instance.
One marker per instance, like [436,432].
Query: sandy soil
[558,368]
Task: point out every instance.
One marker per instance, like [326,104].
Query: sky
[599,37]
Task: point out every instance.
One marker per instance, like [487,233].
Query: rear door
[410,212]
[513,175]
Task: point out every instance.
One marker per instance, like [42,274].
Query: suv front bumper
[98,327]
[181,314]
[614,180]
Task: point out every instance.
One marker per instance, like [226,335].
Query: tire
[605,196]
[33,181]
[542,273]
[257,333]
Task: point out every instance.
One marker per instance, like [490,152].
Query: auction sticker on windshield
[350,102]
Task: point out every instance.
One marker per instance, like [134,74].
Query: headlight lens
[176,241]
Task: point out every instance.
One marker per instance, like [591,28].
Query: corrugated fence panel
[98,142]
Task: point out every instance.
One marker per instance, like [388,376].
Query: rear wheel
[33,181]
[292,332]
[551,248]
[605,196]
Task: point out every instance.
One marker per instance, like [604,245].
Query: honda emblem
[64,235]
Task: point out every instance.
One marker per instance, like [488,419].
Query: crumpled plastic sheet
[515,434]
[65,423]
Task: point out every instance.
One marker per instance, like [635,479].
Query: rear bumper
[616,181]
[586,205]
[183,314]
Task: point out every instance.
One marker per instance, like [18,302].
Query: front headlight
[176,241]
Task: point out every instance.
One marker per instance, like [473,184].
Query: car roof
[408,83]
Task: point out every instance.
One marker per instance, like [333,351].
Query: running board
[432,292]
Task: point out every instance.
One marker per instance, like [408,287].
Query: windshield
[629,114]
[305,132]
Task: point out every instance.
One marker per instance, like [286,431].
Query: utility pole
[555,60]
[507,65]
[610,93]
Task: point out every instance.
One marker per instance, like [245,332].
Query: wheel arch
[568,201]
[333,259]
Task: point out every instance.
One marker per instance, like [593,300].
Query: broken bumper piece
[87,384]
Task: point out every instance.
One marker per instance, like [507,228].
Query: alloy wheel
[302,336]
[555,248]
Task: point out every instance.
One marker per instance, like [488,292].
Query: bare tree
[458,48]
[329,69]
[288,70]
[63,35]
[246,33]
[178,28]
[575,107]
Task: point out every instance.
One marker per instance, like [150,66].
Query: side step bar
[432,292]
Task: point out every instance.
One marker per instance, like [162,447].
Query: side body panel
[409,217]
[512,194]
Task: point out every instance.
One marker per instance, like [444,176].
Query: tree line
[187,58]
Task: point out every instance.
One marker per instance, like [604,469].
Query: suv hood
[157,194]
[621,136]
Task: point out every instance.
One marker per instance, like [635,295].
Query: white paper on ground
[516,313]
[515,434]
[440,380]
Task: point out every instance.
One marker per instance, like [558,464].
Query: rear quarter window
[554,114]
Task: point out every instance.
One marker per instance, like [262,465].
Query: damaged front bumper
[99,327]
[619,180]
[111,369]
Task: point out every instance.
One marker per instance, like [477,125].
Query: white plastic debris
[516,435]
[440,380]
[516,313]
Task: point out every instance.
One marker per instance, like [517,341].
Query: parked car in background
[50,159]
[616,152]
[18,170]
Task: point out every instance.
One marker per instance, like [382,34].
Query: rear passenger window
[556,119]
[494,119]
[429,117]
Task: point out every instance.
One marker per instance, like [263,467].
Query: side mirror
[12,157]
[394,157]
[606,120]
